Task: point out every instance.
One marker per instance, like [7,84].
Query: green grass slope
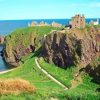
[29,71]
[46,89]
[84,90]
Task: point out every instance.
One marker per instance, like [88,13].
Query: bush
[15,86]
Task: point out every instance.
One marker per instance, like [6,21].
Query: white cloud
[95,4]
[2,0]
[78,5]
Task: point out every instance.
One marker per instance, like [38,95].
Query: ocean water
[3,65]
[7,26]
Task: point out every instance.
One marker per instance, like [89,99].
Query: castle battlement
[78,21]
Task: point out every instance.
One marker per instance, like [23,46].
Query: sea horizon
[43,19]
[8,26]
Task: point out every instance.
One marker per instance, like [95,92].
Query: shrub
[15,86]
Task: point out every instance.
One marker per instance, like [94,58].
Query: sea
[3,65]
[8,26]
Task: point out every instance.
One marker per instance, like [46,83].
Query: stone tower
[78,21]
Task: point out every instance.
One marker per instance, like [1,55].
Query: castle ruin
[78,21]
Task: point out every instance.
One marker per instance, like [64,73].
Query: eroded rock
[72,47]
[13,52]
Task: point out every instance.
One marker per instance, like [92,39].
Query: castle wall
[78,21]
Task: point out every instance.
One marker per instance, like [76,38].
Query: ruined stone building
[78,21]
[1,39]
[55,24]
[34,23]
[96,22]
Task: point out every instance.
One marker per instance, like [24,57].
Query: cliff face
[71,47]
[18,45]
[13,55]
[93,69]
[23,41]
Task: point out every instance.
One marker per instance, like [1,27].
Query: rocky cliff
[17,46]
[1,39]
[21,42]
[93,69]
[72,47]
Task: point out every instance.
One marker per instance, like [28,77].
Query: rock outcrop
[1,39]
[14,54]
[72,47]
[93,69]
[17,46]
[21,42]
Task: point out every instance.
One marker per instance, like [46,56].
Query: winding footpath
[3,72]
[50,76]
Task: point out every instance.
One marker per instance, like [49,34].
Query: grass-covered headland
[80,87]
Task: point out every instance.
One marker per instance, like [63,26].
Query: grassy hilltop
[24,35]
[24,41]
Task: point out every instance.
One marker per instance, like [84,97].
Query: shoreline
[5,67]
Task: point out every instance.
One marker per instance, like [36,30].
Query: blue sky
[48,9]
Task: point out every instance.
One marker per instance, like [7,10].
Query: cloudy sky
[48,9]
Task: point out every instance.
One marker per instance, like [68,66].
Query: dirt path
[50,76]
[76,81]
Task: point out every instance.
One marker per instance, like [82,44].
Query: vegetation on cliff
[24,41]
[25,35]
